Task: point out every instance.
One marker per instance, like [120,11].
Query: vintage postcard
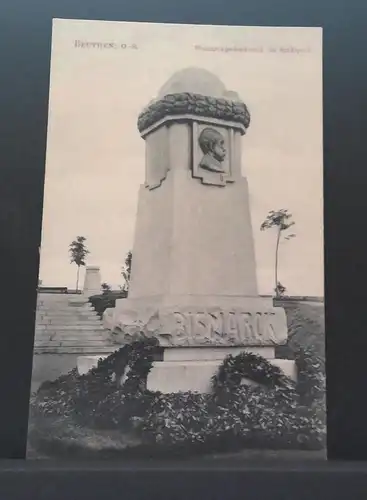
[180,302]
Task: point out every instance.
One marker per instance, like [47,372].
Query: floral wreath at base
[131,364]
[235,370]
[129,367]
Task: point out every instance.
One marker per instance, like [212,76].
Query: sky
[95,160]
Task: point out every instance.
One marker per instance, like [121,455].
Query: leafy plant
[106,300]
[105,288]
[78,253]
[311,381]
[280,290]
[280,220]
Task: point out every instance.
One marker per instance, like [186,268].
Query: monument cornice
[195,105]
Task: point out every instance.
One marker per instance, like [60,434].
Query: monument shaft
[192,238]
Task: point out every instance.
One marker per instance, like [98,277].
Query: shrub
[233,416]
[306,329]
[106,300]
[311,381]
[276,414]
[92,398]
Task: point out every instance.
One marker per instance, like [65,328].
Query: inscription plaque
[207,327]
[193,326]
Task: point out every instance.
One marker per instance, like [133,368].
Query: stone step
[72,343]
[49,312]
[81,337]
[69,323]
[92,343]
[65,308]
[61,329]
[51,296]
[61,303]
[66,316]
[67,312]
[72,325]
[49,320]
[76,327]
[54,297]
[80,312]
[80,306]
[79,334]
[61,299]
[103,351]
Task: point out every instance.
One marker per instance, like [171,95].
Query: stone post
[92,281]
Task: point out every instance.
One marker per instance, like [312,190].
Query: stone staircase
[68,324]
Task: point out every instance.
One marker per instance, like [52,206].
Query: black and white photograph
[180,309]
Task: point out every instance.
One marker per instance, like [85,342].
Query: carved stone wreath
[196,104]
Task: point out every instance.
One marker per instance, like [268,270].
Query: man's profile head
[211,143]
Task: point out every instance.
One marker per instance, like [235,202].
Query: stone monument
[193,278]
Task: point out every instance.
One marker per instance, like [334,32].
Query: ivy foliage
[234,371]
[271,412]
[106,300]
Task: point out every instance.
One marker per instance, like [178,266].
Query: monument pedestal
[197,333]
[193,280]
[195,376]
[198,321]
[191,369]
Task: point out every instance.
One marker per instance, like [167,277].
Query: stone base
[191,369]
[197,333]
[182,355]
[177,376]
[198,321]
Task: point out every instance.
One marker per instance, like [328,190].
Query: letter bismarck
[217,327]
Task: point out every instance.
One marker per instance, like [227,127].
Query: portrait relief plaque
[212,151]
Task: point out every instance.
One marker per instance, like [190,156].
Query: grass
[306,327]
[64,439]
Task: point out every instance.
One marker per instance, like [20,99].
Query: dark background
[25,37]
